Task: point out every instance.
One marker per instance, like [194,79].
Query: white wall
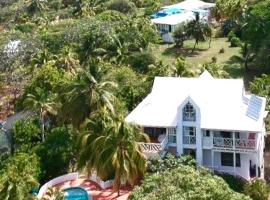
[55,181]
[207,157]
[242,171]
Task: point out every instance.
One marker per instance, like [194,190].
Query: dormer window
[189,112]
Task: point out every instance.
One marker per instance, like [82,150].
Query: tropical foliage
[19,176]
[187,183]
[258,190]
[112,151]
[80,66]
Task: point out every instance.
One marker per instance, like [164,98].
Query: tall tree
[198,30]
[114,152]
[42,102]
[86,94]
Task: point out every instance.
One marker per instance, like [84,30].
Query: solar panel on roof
[254,107]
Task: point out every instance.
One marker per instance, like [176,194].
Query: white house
[214,120]
[167,24]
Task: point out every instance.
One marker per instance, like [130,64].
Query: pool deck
[96,191]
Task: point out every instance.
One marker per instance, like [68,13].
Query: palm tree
[86,94]
[198,30]
[114,152]
[43,103]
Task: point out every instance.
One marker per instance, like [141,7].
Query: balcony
[154,148]
[230,143]
[187,139]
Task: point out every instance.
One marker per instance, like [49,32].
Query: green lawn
[168,54]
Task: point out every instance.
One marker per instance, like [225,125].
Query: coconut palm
[198,30]
[86,94]
[114,152]
[43,103]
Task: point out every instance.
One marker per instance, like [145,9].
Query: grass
[167,53]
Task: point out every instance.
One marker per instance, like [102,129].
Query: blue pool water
[76,193]
[165,12]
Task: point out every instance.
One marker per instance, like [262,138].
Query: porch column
[257,165]
[199,149]
[212,159]
[179,140]
[234,156]
[234,163]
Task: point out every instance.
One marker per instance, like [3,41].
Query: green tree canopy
[185,183]
[19,176]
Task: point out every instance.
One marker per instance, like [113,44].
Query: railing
[223,142]
[154,147]
[189,139]
[239,143]
[245,144]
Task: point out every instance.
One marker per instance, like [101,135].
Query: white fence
[102,184]
[55,181]
[72,177]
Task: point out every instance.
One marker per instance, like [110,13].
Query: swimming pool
[76,193]
[166,12]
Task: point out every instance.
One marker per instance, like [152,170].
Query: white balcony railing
[245,144]
[223,142]
[154,147]
[229,143]
[187,139]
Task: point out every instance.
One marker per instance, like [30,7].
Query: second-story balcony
[154,148]
[243,141]
[234,143]
[158,141]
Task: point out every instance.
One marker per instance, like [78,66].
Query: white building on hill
[167,24]
[214,120]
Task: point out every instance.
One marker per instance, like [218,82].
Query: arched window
[189,112]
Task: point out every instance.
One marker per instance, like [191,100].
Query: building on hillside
[214,120]
[168,19]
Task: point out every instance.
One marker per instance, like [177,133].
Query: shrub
[156,164]
[26,28]
[231,35]
[222,50]
[141,61]
[235,42]
[228,26]
[57,153]
[123,6]
[26,133]
[257,190]
[214,59]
